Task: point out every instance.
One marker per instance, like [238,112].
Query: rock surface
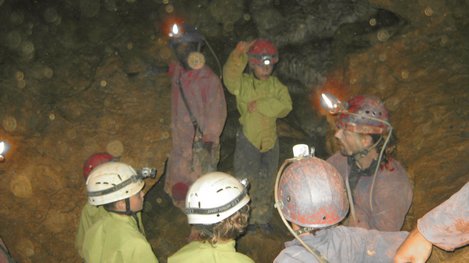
[80,77]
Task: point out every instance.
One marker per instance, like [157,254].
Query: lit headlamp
[176,31]
[3,149]
[266,60]
[331,103]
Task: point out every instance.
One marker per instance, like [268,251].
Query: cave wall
[72,85]
[422,74]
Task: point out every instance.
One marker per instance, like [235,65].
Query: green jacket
[198,252]
[116,239]
[271,96]
[91,214]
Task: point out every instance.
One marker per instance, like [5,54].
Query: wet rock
[89,8]
[51,16]
[13,39]
[218,9]
[309,69]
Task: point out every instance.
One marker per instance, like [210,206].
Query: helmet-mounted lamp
[302,150]
[266,60]
[331,103]
[175,31]
[2,151]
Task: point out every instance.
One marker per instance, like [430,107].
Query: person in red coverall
[198,114]
[378,185]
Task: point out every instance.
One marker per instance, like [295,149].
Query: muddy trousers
[260,169]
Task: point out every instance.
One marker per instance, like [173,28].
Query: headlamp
[3,148]
[245,182]
[175,31]
[266,60]
[302,150]
[331,103]
[147,172]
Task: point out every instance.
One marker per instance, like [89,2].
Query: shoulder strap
[193,119]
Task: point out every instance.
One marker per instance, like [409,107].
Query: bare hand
[252,106]
[415,249]
[243,47]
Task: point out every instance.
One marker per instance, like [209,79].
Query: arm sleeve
[277,106]
[139,251]
[368,245]
[80,237]
[447,225]
[233,71]
[215,111]
[296,254]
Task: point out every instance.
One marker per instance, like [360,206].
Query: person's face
[350,142]
[262,72]
[182,51]
[136,201]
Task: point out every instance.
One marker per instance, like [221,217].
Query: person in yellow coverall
[91,214]
[217,208]
[261,99]
[117,237]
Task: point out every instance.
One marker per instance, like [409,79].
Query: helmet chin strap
[362,153]
[128,212]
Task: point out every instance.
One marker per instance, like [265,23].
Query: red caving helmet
[95,160]
[312,193]
[366,107]
[263,52]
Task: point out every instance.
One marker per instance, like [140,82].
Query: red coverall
[447,225]
[204,93]
[392,195]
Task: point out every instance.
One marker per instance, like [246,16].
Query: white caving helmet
[113,181]
[214,197]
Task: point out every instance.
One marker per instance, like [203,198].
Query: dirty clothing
[257,151]
[117,239]
[259,168]
[344,244]
[199,252]
[5,256]
[272,102]
[392,195]
[204,94]
[447,225]
[90,214]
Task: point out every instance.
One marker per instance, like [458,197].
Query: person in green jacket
[217,208]
[117,237]
[261,99]
[91,214]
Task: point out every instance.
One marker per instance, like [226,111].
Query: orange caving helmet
[312,193]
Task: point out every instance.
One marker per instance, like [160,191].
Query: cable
[380,154]
[279,206]
[216,58]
